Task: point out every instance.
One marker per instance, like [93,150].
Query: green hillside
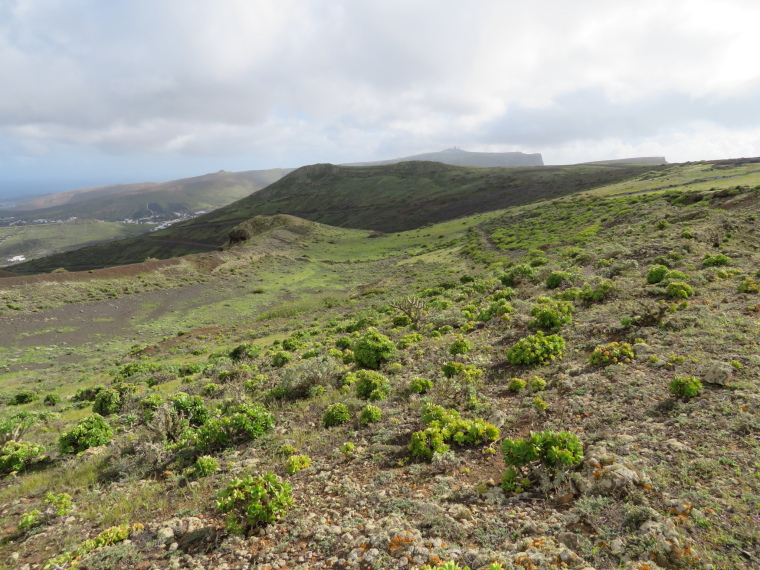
[134,201]
[387,198]
[37,240]
[564,384]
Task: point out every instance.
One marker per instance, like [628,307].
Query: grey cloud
[589,114]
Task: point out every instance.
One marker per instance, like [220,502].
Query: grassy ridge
[387,198]
[117,203]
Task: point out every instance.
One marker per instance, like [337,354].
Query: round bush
[205,465]
[556,278]
[370,414]
[15,455]
[371,385]
[372,349]
[281,358]
[536,349]
[335,415]
[679,290]
[685,387]
[89,432]
[516,384]
[612,353]
[656,273]
[52,400]
[460,346]
[420,385]
[402,321]
[107,402]
[295,463]
[715,260]
[23,397]
[551,314]
[253,501]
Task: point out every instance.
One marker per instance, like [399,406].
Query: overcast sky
[96,92]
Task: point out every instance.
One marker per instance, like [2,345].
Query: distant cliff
[459,157]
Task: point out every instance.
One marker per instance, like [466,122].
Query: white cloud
[340,80]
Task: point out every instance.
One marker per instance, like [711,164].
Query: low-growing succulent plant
[335,415]
[372,349]
[536,349]
[370,414]
[612,353]
[549,450]
[685,387]
[296,463]
[420,385]
[551,314]
[679,290]
[371,385]
[91,431]
[205,465]
[253,501]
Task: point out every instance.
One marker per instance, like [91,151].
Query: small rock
[165,534]
[718,373]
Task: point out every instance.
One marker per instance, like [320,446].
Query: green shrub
[91,431]
[243,422]
[107,402]
[675,275]
[715,260]
[548,450]
[281,358]
[551,314]
[371,385]
[536,349]
[23,397]
[191,408]
[61,502]
[685,387]
[138,369]
[370,414]
[600,290]
[749,285]
[87,394]
[372,349]
[254,501]
[516,384]
[307,378]
[514,275]
[460,346]
[344,342]
[408,340]
[335,415]
[402,320]
[498,309]
[537,384]
[557,278]
[52,400]
[15,455]
[679,290]
[420,385]
[29,520]
[292,344]
[205,465]
[348,449]
[447,425]
[295,463]
[612,353]
[247,350]
[360,324]
[210,389]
